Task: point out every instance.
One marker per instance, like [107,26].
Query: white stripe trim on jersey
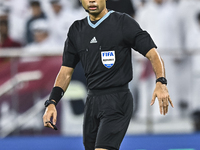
[100,21]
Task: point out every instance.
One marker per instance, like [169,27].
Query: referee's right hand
[50,112]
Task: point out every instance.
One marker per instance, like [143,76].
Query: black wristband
[56,94]
[163,80]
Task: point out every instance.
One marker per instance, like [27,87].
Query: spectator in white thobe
[61,19]
[189,68]
[159,18]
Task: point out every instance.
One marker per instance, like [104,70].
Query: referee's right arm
[62,81]
[64,77]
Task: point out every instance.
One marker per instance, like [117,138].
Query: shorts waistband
[109,90]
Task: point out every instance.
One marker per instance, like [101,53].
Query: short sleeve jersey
[104,48]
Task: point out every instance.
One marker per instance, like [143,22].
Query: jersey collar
[100,21]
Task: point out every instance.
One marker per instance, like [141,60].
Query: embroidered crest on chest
[108,58]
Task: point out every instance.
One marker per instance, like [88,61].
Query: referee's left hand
[161,92]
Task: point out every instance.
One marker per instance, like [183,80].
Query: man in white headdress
[44,42]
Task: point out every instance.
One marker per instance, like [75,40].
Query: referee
[103,42]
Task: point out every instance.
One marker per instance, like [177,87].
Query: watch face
[49,102]
[164,80]
[46,103]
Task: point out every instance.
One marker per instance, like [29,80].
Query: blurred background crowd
[28,22]
[39,27]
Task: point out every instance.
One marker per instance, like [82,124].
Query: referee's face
[94,7]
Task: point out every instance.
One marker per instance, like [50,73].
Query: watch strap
[163,80]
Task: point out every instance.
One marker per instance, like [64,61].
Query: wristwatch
[48,102]
[163,80]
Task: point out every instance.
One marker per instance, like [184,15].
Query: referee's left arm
[161,91]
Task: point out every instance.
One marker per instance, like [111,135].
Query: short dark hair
[54,1]
[34,3]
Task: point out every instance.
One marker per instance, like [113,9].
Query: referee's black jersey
[104,48]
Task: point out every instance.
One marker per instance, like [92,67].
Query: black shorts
[106,117]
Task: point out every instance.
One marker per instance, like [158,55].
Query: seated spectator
[5,40]
[19,12]
[37,13]
[61,20]
[43,41]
